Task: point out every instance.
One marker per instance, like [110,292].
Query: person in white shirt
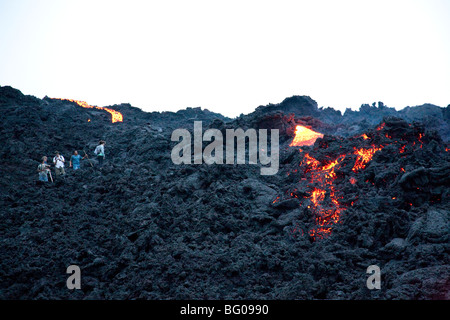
[100,152]
[59,161]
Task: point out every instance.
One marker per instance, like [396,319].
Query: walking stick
[50,173]
[88,158]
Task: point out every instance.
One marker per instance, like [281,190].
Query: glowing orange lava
[317,195]
[116,116]
[364,156]
[325,202]
[322,175]
[304,137]
[420,140]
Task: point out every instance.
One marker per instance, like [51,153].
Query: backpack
[98,151]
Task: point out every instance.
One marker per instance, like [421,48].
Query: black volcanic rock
[304,110]
[142,227]
[9,95]
[299,105]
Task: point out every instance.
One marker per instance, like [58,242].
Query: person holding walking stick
[75,160]
[86,156]
[44,170]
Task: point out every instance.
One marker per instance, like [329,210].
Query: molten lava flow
[317,195]
[311,162]
[116,116]
[365,137]
[322,175]
[325,202]
[304,137]
[364,156]
[420,140]
[381,126]
[319,232]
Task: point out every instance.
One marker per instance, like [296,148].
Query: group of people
[75,162]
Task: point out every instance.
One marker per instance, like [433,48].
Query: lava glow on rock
[116,116]
[364,156]
[324,200]
[320,175]
[304,137]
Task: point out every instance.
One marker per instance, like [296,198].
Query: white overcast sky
[228,56]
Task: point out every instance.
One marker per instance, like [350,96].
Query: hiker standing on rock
[59,161]
[100,152]
[43,170]
[75,160]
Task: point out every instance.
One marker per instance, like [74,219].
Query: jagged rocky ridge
[143,227]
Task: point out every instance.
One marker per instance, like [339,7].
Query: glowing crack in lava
[322,175]
[304,137]
[116,116]
[325,204]
[324,200]
[364,156]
